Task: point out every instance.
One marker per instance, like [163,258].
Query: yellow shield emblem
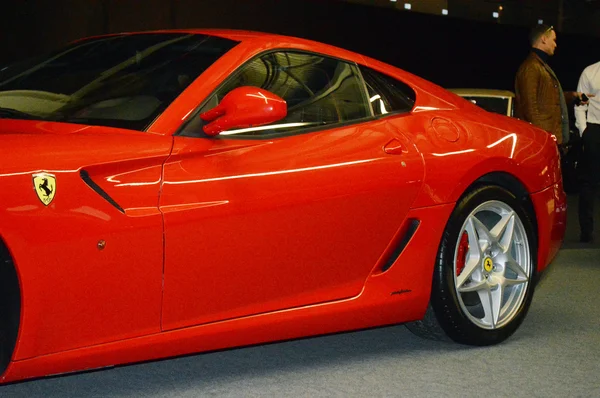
[45,187]
[488,264]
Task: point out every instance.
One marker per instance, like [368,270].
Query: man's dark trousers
[589,167]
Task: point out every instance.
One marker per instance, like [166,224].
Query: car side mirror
[244,107]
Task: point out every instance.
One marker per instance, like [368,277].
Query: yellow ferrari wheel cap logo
[45,187]
[488,264]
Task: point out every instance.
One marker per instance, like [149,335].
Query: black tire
[10,307]
[473,317]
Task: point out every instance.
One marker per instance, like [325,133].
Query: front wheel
[483,280]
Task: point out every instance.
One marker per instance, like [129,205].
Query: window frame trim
[397,112]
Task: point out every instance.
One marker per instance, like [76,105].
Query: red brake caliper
[461,256]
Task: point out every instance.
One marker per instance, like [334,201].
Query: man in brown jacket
[539,96]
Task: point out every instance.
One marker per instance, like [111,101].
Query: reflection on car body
[502,102]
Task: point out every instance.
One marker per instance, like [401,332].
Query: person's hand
[582,98]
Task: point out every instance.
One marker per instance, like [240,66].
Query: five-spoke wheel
[492,265]
[486,265]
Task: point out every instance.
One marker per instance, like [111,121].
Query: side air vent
[88,180]
[409,231]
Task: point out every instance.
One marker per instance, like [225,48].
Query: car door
[263,220]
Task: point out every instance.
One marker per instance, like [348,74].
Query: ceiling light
[407,6]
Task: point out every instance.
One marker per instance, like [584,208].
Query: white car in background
[498,101]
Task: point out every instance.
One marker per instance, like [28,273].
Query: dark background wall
[449,51]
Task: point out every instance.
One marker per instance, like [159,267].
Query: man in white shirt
[587,120]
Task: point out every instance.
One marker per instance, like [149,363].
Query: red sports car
[174,192]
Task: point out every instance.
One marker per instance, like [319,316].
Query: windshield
[123,81]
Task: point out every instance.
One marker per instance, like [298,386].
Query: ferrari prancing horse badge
[45,187]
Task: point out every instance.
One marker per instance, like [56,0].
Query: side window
[318,91]
[387,94]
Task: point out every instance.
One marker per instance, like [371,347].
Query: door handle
[394,147]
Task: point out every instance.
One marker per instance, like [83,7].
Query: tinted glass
[122,81]
[387,94]
[318,91]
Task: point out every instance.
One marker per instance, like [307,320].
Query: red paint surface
[226,242]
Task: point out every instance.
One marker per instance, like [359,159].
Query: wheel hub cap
[492,264]
[488,264]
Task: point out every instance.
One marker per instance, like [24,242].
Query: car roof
[266,40]
[237,34]
[482,92]
[263,40]
[248,35]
